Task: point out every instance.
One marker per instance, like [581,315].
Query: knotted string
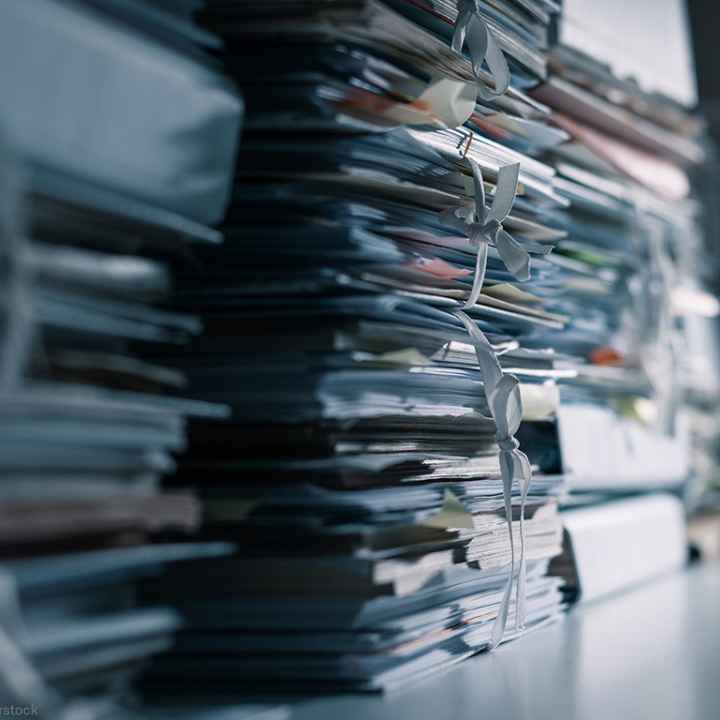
[502,392]
[472,29]
[483,226]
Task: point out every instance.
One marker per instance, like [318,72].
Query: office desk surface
[652,654]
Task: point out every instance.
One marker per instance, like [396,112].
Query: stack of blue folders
[101,193]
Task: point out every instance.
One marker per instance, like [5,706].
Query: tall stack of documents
[86,435]
[639,339]
[381,535]
[89,231]
[632,287]
[457,275]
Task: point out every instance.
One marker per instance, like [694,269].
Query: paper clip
[468,142]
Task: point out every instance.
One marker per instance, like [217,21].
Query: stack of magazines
[89,422]
[366,319]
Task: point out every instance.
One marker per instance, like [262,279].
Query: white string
[502,392]
[483,226]
[471,29]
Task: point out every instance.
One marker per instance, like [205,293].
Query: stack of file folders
[88,424]
[632,284]
[359,472]
[440,227]
[639,342]
[86,433]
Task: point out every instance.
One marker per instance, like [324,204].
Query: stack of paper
[636,418]
[86,434]
[88,423]
[84,439]
[124,94]
[631,280]
[459,266]
[380,538]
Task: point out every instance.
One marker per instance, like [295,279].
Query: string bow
[502,392]
[471,28]
[483,226]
